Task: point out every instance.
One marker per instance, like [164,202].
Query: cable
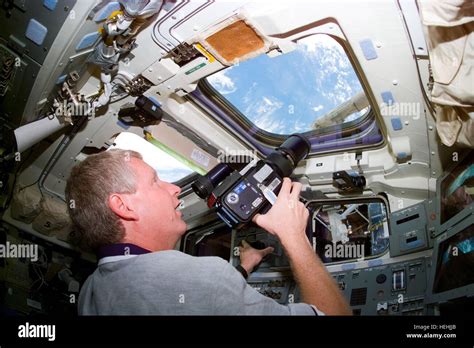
[7,203]
[118,98]
[38,266]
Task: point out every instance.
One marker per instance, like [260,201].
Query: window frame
[362,200]
[265,141]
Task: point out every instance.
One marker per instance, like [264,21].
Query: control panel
[393,289]
[281,288]
[408,230]
[387,289]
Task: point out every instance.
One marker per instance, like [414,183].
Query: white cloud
[262,114]
[223,83]
[267,123]
[318,108]
[266,106]
[250,93]
[267,101]
[298,127]
[320,79]
[333,77]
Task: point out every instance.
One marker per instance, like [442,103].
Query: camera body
[239,195]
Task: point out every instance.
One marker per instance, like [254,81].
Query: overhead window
[172,170]
[172,166]
[169,164]
[311,88]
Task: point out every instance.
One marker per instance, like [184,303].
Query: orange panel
[235,41]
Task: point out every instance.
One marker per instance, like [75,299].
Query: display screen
[342,232]
[457,189]
[455,264]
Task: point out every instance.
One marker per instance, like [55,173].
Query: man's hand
[251,257]
[288,217]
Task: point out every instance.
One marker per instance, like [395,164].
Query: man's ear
[121,206]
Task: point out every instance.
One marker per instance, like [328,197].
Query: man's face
[155,202]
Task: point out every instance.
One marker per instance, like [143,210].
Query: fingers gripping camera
[239,196]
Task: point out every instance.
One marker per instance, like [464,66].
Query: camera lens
[297,147]
[286,157]
[358,181]
[204,185]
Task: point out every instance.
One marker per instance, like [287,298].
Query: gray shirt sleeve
[233,296]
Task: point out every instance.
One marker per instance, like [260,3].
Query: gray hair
[88,188]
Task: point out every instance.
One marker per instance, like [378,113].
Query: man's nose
[174,190]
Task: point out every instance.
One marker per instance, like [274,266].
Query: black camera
[146,111]
[239,195]
[348,182]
